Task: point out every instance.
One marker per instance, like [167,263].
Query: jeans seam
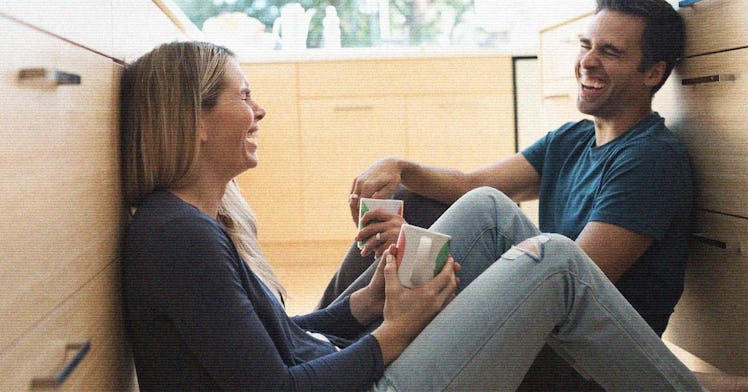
[480,235]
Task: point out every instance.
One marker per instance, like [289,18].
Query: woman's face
[228,132]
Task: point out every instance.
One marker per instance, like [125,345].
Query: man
[620,185]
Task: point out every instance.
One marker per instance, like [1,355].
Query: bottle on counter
[331,28]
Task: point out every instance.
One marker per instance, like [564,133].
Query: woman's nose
[259,112]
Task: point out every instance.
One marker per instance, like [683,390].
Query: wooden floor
[304,270]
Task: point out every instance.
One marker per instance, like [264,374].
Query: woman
[204,310]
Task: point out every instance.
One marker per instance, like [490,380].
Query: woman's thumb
[390,273]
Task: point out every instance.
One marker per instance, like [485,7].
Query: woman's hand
[378,181]
[408,311]
[367,304]
[381,232]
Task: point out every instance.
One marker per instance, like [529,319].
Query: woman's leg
[545,289]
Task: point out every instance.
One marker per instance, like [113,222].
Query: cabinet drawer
[709,117]
[559,46]
[714,25]
[61,207]
[484,128]
[405,77]
[93,315]
[86,22]
[340,138]
[711,318]
[139,26]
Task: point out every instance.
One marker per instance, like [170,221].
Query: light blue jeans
[516,301]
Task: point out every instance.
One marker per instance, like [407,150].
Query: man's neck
[608,129]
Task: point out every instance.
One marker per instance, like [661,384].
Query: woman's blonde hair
[162,96]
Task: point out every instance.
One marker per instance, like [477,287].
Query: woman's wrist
[392,342]
[364,307]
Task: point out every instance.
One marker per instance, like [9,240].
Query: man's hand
[378,181]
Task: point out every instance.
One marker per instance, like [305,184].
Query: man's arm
[613,248]
[514,176]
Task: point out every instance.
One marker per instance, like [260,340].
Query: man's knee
[540,244]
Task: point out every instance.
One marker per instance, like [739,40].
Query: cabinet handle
[42,77]
[558,96]
[708,79]
[362,108]
[686,3]
[700,237]
[59,378]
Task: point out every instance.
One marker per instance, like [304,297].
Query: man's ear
[655,73]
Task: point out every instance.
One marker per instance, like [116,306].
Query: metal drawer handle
[363,108]
[708,79]
[59,378]
[700,237]
[558,96]
[42,77]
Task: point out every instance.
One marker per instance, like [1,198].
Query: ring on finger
[353,196]
[379,237]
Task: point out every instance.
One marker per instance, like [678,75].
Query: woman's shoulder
[162,217]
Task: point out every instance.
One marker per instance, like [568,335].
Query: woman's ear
[203,125]
[655,73]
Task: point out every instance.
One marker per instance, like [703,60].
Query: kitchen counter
[318,55]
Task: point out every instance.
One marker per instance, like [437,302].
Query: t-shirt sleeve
[208,304]
[642,189]
[535,153]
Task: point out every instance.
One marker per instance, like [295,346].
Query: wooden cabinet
[63,215]
[455,112]
[85,22]
[709,117]
[715,25]
[711,319]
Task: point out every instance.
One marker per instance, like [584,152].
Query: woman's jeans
[518,298]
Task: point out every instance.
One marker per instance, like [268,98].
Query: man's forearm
[441,184]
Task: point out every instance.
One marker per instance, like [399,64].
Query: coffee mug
[421,254]
[366,205]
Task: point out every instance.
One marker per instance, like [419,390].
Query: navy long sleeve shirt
[199,319]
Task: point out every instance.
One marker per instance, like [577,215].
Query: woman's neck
[206,197]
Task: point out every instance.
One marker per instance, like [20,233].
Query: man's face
[607,67]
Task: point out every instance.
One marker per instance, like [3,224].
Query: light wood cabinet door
[711,318]
[273,188]
[460,131]
[340,138]
[61,206]
[86,22]
[709,118]
[715,25]
[93,315]
[405,77]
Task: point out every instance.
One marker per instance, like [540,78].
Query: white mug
[421,254]
[366,205]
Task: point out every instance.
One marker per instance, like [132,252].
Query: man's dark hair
[664,31]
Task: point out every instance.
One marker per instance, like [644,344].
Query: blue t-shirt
[640,181]
[199,319]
